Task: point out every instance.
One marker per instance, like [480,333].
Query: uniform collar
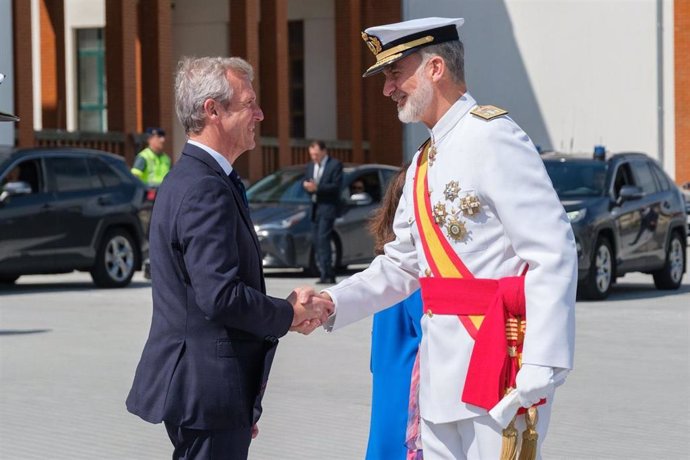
[451,118]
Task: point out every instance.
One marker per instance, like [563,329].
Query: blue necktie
[235,178]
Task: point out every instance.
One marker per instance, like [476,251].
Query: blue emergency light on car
[599,152]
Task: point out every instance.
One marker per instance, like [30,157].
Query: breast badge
[440,213]
[469,205]
[452,190]
[456,230]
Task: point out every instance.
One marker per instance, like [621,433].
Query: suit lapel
[203,156]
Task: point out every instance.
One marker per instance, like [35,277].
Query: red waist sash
[495,356]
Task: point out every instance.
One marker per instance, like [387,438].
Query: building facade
[573,74]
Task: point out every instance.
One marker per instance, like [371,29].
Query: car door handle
[104,200]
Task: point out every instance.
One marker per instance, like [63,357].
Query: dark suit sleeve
[333,183]
[211,234]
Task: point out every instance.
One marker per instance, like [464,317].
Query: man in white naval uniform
[496,209]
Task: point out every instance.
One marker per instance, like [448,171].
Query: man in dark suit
[323,180]
[214,330]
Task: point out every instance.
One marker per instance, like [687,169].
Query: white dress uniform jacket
[521,223]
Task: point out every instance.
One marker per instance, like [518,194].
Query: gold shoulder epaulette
[488,112]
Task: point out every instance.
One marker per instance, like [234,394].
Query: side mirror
[629,193]
[14,189]
[361,199]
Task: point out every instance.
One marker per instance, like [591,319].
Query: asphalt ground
[68,353]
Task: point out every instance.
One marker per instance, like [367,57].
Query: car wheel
[597,284]
[115,260]
[313,269]
[8,279]
[671,275]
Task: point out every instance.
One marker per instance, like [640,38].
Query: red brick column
[274,74]
[681,14]
[23,76]
[244,43]
[120,62]
[348,48]
[53,87]
[155,31]
[381,124]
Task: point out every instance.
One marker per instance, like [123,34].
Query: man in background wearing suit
[323,181]
[214,330]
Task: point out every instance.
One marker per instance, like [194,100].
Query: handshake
[311,309]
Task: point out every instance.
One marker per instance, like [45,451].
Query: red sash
[492,311]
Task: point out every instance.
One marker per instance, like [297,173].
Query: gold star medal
[452,190]
[470,205]
[456,229]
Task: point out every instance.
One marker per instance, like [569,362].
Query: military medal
[470,205]
[456,229]
[452,190]
[440,213]
[432,154]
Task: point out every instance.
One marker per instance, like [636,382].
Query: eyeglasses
[357,188]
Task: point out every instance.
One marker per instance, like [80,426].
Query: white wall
[199,29]
[6,68]
[319,66]
[79,14]
[572,73]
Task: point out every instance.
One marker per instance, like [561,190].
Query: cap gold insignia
[372,42]
[440,213]
[452,190]
[456,229]
[488,112]
[469,205]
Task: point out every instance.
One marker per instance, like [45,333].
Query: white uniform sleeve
[389,279]
[539,232]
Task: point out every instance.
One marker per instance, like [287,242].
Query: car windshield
[280,187]
[575,178]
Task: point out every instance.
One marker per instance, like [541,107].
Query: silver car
[280,210]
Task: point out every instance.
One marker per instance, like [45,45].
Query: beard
[417,101]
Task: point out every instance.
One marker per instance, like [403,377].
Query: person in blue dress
[394,342]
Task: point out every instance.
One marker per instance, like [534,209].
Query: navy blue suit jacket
[328,202]
[214,330]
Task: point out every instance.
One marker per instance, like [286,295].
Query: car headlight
[285,223]
[576,216]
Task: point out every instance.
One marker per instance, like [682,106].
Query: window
[91,80]
[28,171]
[69,174]
[644,177]
[296,65]
[623,177]
[661,177]
[108,177]
[372,184]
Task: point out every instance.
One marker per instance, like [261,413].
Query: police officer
[152,164]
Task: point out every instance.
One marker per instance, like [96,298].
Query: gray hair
[199,79]
[452,53]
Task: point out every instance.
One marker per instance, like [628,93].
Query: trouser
[193,444]
[477,438]
[322,233]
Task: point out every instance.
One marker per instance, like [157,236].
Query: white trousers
[477,438]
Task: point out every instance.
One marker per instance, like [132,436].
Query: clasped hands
[311,309]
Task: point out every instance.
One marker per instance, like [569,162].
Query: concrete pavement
[68,353]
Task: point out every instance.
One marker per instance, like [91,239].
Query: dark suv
[69,209]
[627,215]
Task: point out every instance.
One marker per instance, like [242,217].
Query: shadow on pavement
[22,331]
[61,286]
[628,291]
